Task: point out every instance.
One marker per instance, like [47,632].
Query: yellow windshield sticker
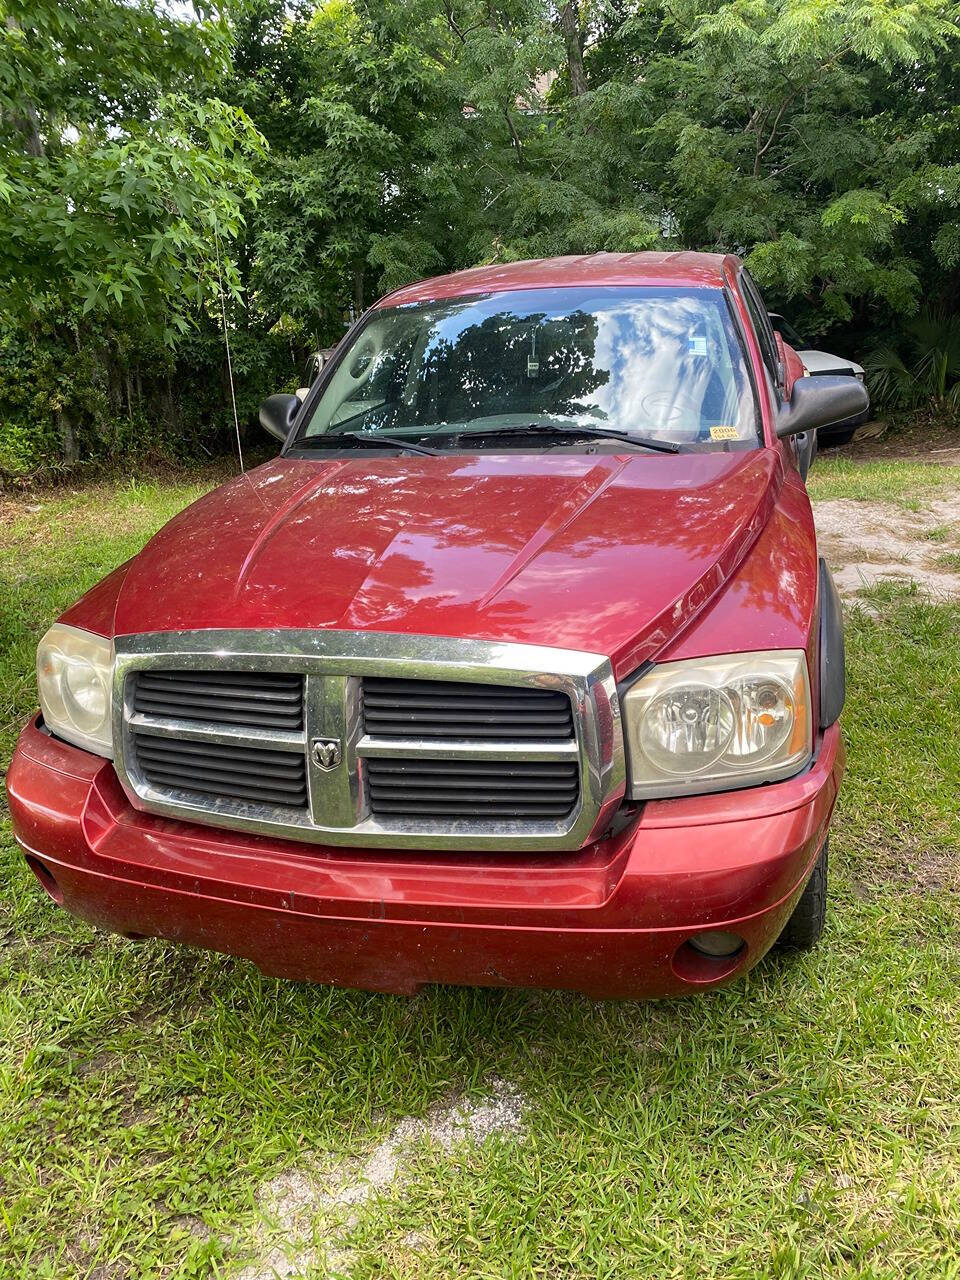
[724,433]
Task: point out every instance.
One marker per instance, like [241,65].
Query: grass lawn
[165,1112]
[835,476]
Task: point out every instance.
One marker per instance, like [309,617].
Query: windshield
[660,363]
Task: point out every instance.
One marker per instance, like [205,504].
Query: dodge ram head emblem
[326,753]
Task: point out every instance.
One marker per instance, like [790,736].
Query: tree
[790,134]
[345,101]
[316,153]
[123,179]
[415,137]
[410,138]
[119,171]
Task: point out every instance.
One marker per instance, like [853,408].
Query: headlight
[74,677]
[710,724]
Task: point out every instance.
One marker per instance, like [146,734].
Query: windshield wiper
[555,431]
[552,431]
[360,439]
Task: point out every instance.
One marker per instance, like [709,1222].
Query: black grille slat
[424,688]
[227,784]
[472,789]
[210,676]
[249,683]
[442,774]
[486,790]
[498,733]
[211,764]
[256,699]
[258,757]
[282,703]
[439,702]
[223,769]
[454,709]
[211,712]
[456,717]
[428,810]
[483,786]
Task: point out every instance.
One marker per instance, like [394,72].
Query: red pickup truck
[517,666]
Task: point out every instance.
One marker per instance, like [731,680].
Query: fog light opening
[46,878]
[696,965]
[717,943]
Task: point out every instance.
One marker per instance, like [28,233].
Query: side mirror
[278,414]
[806,443]
[818,402]
[314,367]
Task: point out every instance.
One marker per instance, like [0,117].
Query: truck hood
[824,362]
[610,554]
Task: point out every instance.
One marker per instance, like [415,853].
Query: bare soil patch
[24,524]
[909,867]
[295,1200]
[919,441]
[865,543]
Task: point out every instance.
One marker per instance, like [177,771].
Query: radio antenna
[226,342]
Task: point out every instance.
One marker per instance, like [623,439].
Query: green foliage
[923,370]
[120,393]
[412,138]
[121,169]
[798,130]
[123,182]
[302,158]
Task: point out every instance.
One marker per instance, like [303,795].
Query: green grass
[906,483]
[54,546]
[803,1123]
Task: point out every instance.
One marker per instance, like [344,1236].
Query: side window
[761,322]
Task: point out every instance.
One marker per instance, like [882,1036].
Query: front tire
[802,931]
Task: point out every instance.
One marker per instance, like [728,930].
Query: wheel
[835,439]
[802,931]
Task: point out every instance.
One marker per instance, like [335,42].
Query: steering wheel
[668,408]
[364,358]
[673,411]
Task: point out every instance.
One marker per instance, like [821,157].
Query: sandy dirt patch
[917,441]
[302,1199]
[907,866]
[865,543]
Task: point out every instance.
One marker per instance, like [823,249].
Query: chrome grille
[459,709]
[369,739]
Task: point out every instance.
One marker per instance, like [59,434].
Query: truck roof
[711,270]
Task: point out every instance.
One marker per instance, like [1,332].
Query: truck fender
[833,676]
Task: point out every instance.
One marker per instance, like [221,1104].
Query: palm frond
[891,382]
[924,368]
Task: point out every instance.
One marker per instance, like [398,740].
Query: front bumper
[613,919]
